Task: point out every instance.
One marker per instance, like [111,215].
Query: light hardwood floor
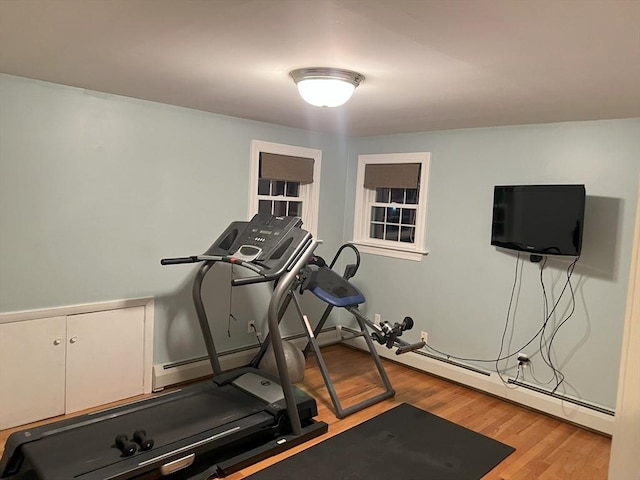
[546,448]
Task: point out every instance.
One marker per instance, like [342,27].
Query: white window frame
[365,198]
[308,193]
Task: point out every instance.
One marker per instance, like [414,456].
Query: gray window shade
[285,167]
[391,175]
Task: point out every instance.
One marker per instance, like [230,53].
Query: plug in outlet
[424,336]
[523,359]
[376,318]
[251,327]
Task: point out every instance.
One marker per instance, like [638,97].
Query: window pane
[377,231]
[292,189]
[391,232]
[412,196]
[295,209]
[278,188]
[407,234]
[264,206]
[408,216]
[280,209]
[264,186]
[393,215]
[397,195]
[377,214]
[382,195]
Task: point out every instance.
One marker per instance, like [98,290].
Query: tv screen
[539,219]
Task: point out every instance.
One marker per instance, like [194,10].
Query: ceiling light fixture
[326,87]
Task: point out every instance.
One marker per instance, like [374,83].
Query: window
[391,204]
[285,180]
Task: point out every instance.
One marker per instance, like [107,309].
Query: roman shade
[391,175]
[284,167]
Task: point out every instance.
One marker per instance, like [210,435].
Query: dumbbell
[125,446]
[140,437]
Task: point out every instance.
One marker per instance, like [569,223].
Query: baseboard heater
[575,401]
[172,373]
[583,413]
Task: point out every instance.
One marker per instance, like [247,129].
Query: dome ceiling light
[326,87]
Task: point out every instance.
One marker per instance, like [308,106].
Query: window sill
[386,251]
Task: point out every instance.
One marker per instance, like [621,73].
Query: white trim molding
[624,462]
[490,384]
[167,374]
[366,197]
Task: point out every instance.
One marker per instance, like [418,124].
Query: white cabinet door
[104,357]
[32,370]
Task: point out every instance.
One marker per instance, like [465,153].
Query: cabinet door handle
[73,340]
[57,341]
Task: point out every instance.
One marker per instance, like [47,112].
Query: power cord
[573,309]
[230,304]
[506,323]
[548,315]
[253,327]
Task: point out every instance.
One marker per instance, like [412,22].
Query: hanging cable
[545,316]
[573,309]
[506,323]
[231,317]
[529,342]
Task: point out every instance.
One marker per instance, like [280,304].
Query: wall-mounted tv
[539,219]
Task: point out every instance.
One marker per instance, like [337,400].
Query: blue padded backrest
[335,290]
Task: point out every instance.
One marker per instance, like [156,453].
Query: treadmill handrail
[233,260]
[265,275]
[280,291]
[179,260]
[212,258]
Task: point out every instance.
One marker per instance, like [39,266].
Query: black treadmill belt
[170,424]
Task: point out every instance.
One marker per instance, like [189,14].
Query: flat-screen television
[539,219]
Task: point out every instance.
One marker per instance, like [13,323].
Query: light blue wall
[95,189]
[460,292]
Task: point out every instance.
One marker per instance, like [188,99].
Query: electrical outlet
[251,327]
[424,336]
[376,318]
[523,359]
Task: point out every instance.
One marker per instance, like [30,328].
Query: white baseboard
[490,383]
[167,374]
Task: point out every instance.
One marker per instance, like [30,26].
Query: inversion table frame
[384,333]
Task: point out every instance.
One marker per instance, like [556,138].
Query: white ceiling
[429,64]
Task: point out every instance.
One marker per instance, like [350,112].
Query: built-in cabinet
[32,370]
[66,363]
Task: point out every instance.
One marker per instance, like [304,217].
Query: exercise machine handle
[179,260]
[251,280]
[346,245]
[260,278]
[409,347]
[351,269]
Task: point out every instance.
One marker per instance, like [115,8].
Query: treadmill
[207,429]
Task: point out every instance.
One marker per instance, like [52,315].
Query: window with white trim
[391,204]
[285,180]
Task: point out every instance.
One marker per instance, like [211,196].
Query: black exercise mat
[404,443]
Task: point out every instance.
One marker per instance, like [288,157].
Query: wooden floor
[546,448]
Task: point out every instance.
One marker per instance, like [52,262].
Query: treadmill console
[270,243]
[262,236]
[248,253]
